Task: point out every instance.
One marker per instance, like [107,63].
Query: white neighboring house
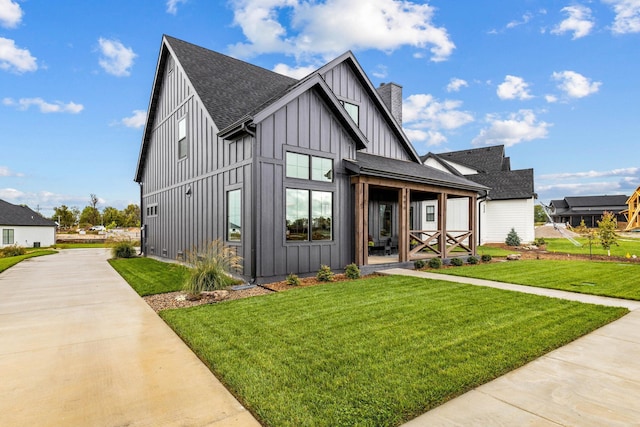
[508,204]
[22,226]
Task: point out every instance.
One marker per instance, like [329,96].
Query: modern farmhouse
[293,173]
[22,226]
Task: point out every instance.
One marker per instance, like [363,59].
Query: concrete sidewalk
[78,347]
[593,381]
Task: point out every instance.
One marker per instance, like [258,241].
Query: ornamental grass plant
[211,268]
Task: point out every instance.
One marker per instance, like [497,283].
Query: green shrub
[419,263]
[512,238]
[14,250]
[472,259]
[540,241]
[325,274]
[123,249]
[352,272]
[457,262]
[486,258]
[210,270]
[435,263]
[293,280]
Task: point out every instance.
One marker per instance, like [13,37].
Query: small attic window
[169,64]
[182,138]
[353,110]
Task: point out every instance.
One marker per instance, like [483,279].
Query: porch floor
[382,259]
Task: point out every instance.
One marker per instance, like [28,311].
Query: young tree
[131,216]
[512,238]
[112,216]
[65,217]
[539,215]
[607,231]
[89,216]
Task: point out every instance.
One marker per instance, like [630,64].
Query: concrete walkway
[593,381]
[78,347]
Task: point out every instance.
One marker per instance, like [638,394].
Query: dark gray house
[293,173]
[510,198]
[573,210]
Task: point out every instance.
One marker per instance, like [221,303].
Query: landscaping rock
[513,257]
[216,295]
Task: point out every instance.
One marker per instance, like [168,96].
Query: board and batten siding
[305,125]
[382,141]
[190,192]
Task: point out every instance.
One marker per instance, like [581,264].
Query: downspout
[482,200]
[143,232]
[254,202]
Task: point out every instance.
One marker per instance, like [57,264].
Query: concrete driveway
[78,347]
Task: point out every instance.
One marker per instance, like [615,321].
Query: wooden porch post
[361,222]
[442,223]
[403,232]
[473,207]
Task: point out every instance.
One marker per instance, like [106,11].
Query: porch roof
[384,167]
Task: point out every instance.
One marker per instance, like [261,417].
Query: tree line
[110,217]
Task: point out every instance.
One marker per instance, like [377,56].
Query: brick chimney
[391,95]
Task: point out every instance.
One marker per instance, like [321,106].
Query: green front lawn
[611,279]
[375,352]
[625,246]
[11,261]
[148,276]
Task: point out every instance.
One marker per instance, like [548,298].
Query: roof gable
[22,216]
[485,159]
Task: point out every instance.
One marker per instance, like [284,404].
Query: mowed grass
[5,263]
[374,352]
[611,279]
[625,246]
[149,277]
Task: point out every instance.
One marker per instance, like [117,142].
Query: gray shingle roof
[21,216]
[215,78]
[485,159]
[368,164]
[506,185]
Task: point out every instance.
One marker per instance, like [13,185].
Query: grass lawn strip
[5,263]
[149,277]
[610,279]
[374,352]
[625,246]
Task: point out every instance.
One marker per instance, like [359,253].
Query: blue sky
[556,82]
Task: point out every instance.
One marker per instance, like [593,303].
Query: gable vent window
[303,166]
[182,138]
[353,110]
[152,210]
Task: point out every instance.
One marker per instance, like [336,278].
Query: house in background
[508,203]
[22,226]
[294,174]
[572,210]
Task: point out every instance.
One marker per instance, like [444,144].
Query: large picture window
[182,138]
[309,215]
[8,236]
[234,215]
[303,166]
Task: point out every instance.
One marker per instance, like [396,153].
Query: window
[431,214]
[353,110]
[385,221]
[7,236]
[182,138]
[234,215]
[306,207]
[303,166]
[152,210]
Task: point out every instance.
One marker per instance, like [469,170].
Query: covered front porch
[398,221]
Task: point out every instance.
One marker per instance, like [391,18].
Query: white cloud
[172,6]
[6,172]
[331,27]
[137,120]
[10,13]
[424,111]
[294,72]
[455,84]
[579,21]
[116,59]
[551,98]
[627,18]
[525,18]
[634,171]
[380,72]
[516,128]
[431,137]
[514,87]
[44,106]
[575,85]
[15,59]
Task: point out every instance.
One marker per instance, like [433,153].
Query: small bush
[325,274]
[486,258]
[210,270]
[435,263]
[10,251]
[293,280]
[457,262]
[124,249]
[540,241]
[472,259]
[512,238]
[419,263]
[352,272]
